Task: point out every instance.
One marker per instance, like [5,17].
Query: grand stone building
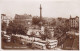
[74,23]
[25,20]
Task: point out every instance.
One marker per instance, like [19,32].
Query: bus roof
[51,40]
[52,43]
[39,43]
[6,35]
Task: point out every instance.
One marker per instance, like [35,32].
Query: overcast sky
[50,8]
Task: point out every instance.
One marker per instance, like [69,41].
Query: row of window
[73,23]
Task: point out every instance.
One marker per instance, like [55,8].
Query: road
[12,45]
[71,44]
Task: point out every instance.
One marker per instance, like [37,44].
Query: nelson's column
[40,15]
[41,23]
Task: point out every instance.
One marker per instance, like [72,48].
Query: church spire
[70,16]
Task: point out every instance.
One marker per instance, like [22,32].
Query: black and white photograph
[40,24]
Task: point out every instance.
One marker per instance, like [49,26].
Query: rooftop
[25,16]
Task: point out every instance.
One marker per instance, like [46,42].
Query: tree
[35,20]
[67,25]
[53,23]
[63,24]
[33,35]
[15,28]
[43,36]
[4,26]
[10,28]
[48,33]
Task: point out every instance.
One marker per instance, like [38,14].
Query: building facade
[25,20]
[74,23]
[5,19]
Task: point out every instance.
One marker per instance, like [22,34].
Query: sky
[50,8]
